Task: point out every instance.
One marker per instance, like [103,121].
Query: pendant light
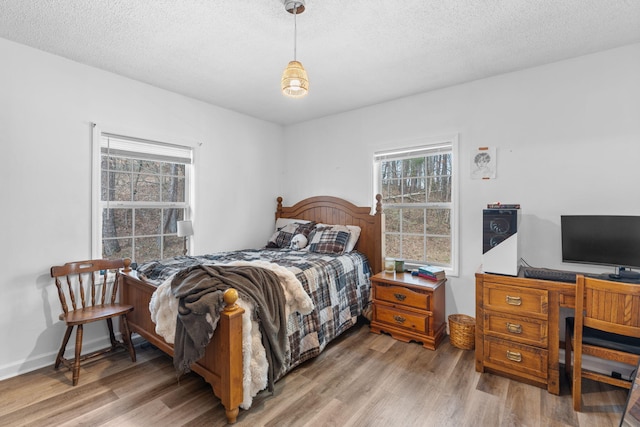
[295,82]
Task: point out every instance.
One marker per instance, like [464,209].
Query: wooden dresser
[409,308]
[517,327]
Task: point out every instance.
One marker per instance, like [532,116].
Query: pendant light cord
[295,31]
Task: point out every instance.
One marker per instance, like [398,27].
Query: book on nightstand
[431,272]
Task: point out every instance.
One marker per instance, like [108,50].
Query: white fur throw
[164,311]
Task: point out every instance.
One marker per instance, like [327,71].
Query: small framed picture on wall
[483,163]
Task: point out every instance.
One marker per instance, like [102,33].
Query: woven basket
[462,331]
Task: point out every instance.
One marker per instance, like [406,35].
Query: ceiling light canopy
[295,82]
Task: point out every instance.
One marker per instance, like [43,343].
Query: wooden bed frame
[221,365]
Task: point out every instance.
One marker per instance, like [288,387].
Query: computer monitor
[612,240]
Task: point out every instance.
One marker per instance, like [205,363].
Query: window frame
[405,150]
[98,205]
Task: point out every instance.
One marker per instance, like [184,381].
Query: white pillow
[282,222]
[353,239]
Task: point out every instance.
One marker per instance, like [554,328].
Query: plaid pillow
[282,238]
[328,240]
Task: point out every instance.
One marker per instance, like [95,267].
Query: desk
[517,327]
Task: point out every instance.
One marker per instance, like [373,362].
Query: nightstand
[409,308]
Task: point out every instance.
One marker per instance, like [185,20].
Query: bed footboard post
[231,393]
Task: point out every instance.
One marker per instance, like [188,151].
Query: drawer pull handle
[514,356]
[514,300]
[400,297]
[399,319]
[514,328]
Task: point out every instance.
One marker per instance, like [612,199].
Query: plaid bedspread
[338,285]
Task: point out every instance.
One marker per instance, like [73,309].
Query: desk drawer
[525,330]
[567,300]
[517,300]
[532,361]
[402,296]
[401,319]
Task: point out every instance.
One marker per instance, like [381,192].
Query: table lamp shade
[185,228]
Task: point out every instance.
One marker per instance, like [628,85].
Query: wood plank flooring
[362,379]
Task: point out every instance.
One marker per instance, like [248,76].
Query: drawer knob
[514,328]
[514,356]
[514,300]
[399,319]
[400,297]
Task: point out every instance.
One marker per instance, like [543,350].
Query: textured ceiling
[357,52]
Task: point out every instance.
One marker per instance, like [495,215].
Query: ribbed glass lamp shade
[294,80]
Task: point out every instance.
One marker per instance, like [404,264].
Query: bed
[222,365]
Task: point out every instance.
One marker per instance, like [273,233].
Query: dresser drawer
[525,330]
[509,356]
[517,300]
[401,319]
[402,296]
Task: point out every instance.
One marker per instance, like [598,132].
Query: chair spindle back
[82,283]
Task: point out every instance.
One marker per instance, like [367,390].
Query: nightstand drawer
[402,296]
[401,319]
[516,300]
[523,359]
[525,330]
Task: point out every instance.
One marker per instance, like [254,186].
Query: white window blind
[408,153]
[142,149]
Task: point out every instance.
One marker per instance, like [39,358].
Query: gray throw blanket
[200,289]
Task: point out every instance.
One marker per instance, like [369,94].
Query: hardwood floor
[362,379]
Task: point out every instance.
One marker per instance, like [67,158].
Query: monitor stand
[625,275]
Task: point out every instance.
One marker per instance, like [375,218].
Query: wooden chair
[606,326]
[91,300]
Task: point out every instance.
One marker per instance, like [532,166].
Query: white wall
[567,137]
[47,104]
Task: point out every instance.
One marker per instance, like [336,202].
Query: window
[418,187]
[141,189]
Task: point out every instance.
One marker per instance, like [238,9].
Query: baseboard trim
[48,359]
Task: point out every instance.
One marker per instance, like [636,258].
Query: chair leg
[567,351]
[576,389]
[63,347]
[76,362]
[112,336]
[126,336]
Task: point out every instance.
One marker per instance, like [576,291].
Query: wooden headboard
[333,210]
